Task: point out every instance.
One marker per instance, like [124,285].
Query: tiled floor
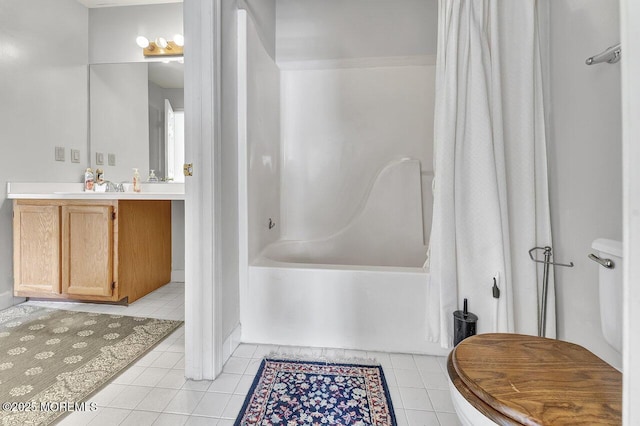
[154,391]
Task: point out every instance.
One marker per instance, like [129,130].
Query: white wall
[585,160]
[337,29]
[44,103]
[340,127]
[113,30]
[119,114]
[629,16]
[263,144]
[230,290]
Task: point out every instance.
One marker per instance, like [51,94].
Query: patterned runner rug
[51,360]
[293,392]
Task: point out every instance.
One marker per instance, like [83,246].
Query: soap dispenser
[88,179]
[136,180]
[99,176]
[152,176]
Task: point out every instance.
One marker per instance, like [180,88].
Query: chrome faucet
[113,187]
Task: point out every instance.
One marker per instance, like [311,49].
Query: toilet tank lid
[611,247]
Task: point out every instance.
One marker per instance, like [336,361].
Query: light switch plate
[75,155]
[59,153]
[112,159]
[99,158]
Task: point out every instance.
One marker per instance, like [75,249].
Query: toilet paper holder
[547,257]
[542,320]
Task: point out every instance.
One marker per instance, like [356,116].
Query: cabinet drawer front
[87,250]
[36,234]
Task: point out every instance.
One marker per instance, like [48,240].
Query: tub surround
[362,287]
[74,191]
[339,158]
[385,230]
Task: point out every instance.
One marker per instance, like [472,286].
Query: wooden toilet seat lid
[538,381]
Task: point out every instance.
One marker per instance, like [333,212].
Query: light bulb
[162,42]
[142,41]
[178,39]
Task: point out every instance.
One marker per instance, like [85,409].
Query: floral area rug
[51,360]
[293,392]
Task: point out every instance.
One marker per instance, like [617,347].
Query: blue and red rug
[292,392]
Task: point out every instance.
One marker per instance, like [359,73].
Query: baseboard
[177,276]
[7,300]
[231,343]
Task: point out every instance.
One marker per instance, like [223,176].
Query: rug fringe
[322,359]
[17,312]
[343,374]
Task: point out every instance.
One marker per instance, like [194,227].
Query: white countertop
[74,191]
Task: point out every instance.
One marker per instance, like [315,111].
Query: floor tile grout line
[156,307]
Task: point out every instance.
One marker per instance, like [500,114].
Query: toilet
[514,379]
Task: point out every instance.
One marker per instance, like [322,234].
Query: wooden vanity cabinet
[94,250]
[36,249]
[88,250]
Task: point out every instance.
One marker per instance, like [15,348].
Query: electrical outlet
[59,153]
[99,158]
[75,155]
[112,159]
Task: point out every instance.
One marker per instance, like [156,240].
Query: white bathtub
[296,302]
[363,287]
[377,308]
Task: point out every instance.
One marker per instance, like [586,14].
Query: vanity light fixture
[161,46]
[142,41]
[161,42]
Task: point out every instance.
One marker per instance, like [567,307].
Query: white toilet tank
[610,280]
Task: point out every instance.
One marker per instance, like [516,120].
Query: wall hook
[272,224]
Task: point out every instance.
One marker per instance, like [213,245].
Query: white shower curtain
[491,202]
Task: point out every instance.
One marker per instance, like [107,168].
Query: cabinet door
[87,250]
[36,248]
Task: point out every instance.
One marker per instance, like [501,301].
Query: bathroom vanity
[110,247]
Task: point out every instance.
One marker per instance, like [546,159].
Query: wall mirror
[166,120]
[137,112]
[136,101]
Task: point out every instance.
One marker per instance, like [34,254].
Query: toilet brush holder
[464,324]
